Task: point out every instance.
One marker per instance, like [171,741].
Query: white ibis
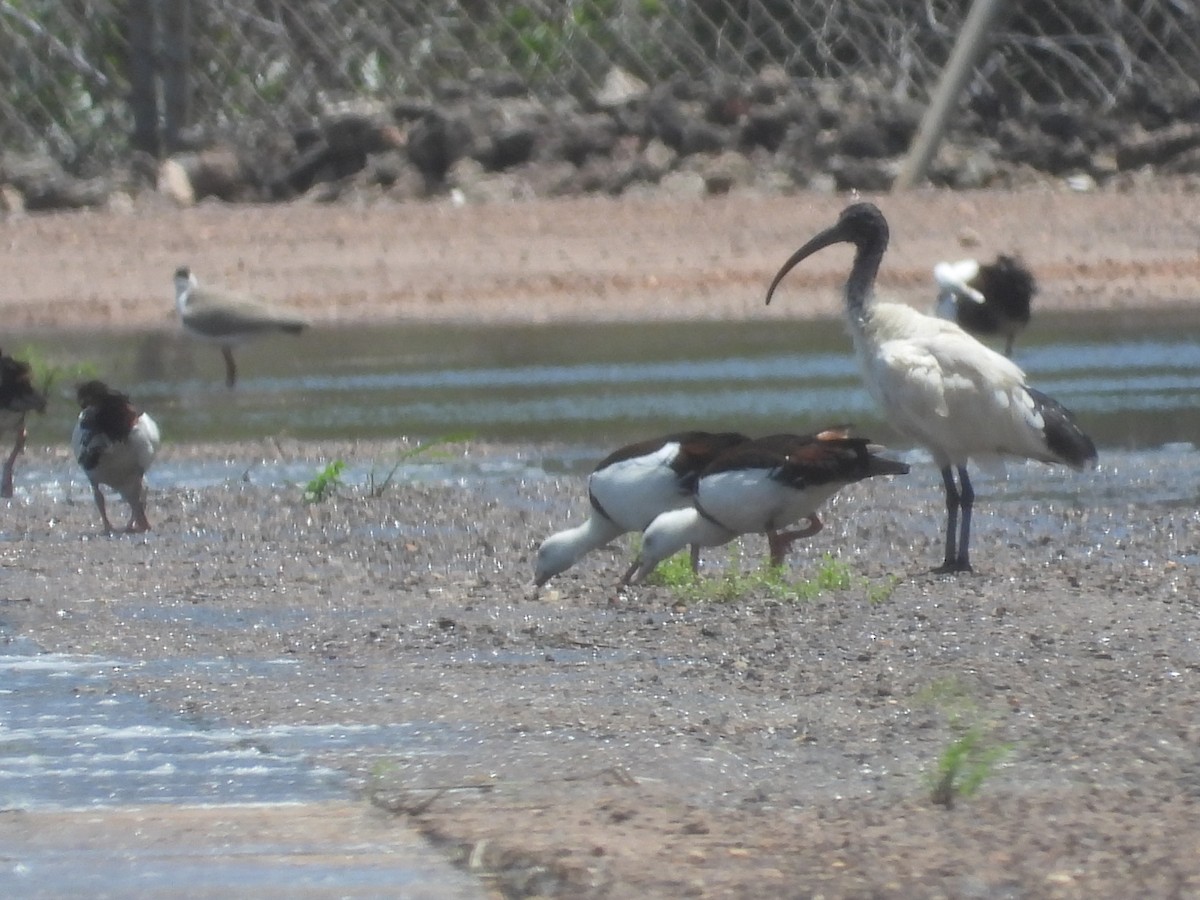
[939,386]
[986,299]
[115,444]
[764,485]
[628,488]
[17,397]
[227,319]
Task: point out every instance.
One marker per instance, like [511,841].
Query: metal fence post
[176,69]
[963,58]
[143,95]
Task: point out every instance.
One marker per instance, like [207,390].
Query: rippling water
[1132,379]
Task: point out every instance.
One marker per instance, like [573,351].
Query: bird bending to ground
[988,299]
[115,444]
[764,485]
[939,386]
[228,319]
[17,397]
[628,488]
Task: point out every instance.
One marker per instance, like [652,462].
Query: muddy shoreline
[583,742]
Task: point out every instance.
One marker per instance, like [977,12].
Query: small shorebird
[115,444]
[628,488]
[17,397]
[764,485]
[938,385]
[986,299]
[228,319]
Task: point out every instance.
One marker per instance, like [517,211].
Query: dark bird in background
[764,485]
[986,299]
[115,444]
[628,488]
[938,385]
[17,397]
[227,319]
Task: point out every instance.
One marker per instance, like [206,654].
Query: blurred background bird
[992,299]
[227,319]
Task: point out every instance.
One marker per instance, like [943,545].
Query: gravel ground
[656,743]
[585,742]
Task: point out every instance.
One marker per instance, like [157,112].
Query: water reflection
[1131,380]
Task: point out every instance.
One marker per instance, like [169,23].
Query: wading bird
[115,444]
[628,488]
[763,485]
[938,385]
[228,319]
[986,299]
[17,397]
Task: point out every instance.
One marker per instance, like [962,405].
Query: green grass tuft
[325,483]
[733,583]
[965,764]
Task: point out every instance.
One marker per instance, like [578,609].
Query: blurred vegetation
[65,63]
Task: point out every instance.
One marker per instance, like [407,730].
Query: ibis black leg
[966,500]
[959,499]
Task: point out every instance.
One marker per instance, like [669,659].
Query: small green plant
[325,482]
[47,374]
[428,449]
[883,590]
[832,574]
[972,755]
[965,764]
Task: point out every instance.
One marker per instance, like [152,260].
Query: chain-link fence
[79,72]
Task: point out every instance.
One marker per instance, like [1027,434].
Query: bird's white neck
[184,285]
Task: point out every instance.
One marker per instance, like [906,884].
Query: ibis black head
[860,224]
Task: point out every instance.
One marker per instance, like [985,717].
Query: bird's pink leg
[780,542]
[6,480]
[98,496]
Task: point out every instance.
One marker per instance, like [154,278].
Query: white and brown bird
[986,298]
[18,396]
[115,444]
[764,485]
[228,319]
[628,488]
[938,385]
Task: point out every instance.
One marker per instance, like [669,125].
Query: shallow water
[1131,379]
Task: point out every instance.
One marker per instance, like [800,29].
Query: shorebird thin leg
[6,481]
[230,367]
[695,559]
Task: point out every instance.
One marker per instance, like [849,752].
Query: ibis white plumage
[764,485]
[115,444]
[628,488]
[986,298]
[938,385]
[17,397]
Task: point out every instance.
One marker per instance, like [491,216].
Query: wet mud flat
[755,741]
